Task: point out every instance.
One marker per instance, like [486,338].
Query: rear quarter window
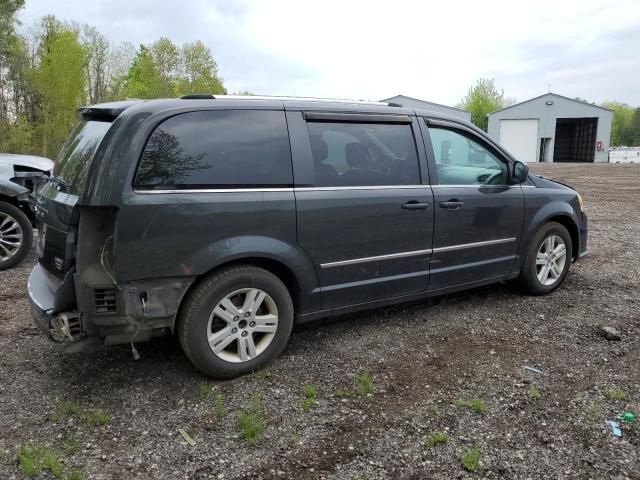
[73,162]
[217,149]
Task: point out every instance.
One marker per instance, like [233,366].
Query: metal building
[411,102]
[553,128]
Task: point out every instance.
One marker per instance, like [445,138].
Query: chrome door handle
[452,205]
[415,205]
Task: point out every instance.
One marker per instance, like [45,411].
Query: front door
[478,214]
[366,221]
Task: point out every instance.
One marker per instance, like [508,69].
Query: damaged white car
[21,177]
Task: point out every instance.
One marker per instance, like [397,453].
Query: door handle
[414,205]
[452,205]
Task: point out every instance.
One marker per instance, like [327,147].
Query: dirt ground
[423,360]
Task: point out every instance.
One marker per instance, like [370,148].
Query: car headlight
[580,202]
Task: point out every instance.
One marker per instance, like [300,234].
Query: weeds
[617,394]
[92,417]
[309,400]
[534,393]
[594,412]
[261,374]
[364,384]
[205,390]
[342,393]
[475,404]
[218,405]
[38,458]
[250,421]
[437,438]
[470,459]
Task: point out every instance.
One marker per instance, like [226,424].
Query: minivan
[226,220]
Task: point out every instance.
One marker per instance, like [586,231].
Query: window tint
[462,161]
[356,154]
[225,148]
[73,162]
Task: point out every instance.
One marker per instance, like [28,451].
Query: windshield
[75,157]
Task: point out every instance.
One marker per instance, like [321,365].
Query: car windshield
[75,157]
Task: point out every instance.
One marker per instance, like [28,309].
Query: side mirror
[520,172]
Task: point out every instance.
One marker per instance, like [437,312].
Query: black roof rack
[197,96]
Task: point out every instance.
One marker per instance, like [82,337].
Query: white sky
[433,50]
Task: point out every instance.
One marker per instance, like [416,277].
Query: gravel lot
[423,359]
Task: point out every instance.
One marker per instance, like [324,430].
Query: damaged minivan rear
[222,220]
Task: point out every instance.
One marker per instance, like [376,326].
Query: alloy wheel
[242,325]
[550,260]
[11,236]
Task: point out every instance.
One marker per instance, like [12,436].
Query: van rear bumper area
[45,292]
[129,312]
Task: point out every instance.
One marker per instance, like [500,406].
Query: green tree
[142,76]
[634,129]
[621,123]
[482,99]
[60,82]
[200,71]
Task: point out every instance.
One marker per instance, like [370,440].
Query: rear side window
[76,155]
[217,149]
[363,154]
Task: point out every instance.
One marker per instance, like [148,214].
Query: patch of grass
[617,394]
[96,418]
[594,412]
[218,405]
[67,409]
[436,438]
[261,374]
[92,417]
[309,400]
[342,393]
[204,390]
[38,458]
[475,404]
[71,446]
[364,383]
[250,421]
[534,393]
[470,459]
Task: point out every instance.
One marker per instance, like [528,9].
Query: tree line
[57,66]
[484,98]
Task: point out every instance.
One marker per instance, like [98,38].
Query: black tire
[8,210]
[198,306]
[529,274]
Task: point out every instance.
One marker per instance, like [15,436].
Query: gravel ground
[422,358]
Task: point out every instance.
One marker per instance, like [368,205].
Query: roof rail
[277,97]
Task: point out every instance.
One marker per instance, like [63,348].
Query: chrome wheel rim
[10,236]
[550,260]
[242,325]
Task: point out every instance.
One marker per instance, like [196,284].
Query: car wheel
[16,235]
[548,259]
[236,321]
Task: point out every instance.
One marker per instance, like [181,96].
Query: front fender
[540,211]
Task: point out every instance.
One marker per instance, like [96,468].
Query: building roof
[395,97]
[553,95]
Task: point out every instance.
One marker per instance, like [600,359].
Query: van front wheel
[236,321]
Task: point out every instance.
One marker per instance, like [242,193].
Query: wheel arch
[568,222]
[276,266]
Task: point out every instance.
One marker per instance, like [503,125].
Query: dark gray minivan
[225,220]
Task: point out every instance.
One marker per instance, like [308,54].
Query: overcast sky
[372,50]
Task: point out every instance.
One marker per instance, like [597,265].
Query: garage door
[520,137]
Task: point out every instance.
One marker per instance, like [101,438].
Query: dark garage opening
[575,139]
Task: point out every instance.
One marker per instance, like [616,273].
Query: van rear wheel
[16,235]
[236,321]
